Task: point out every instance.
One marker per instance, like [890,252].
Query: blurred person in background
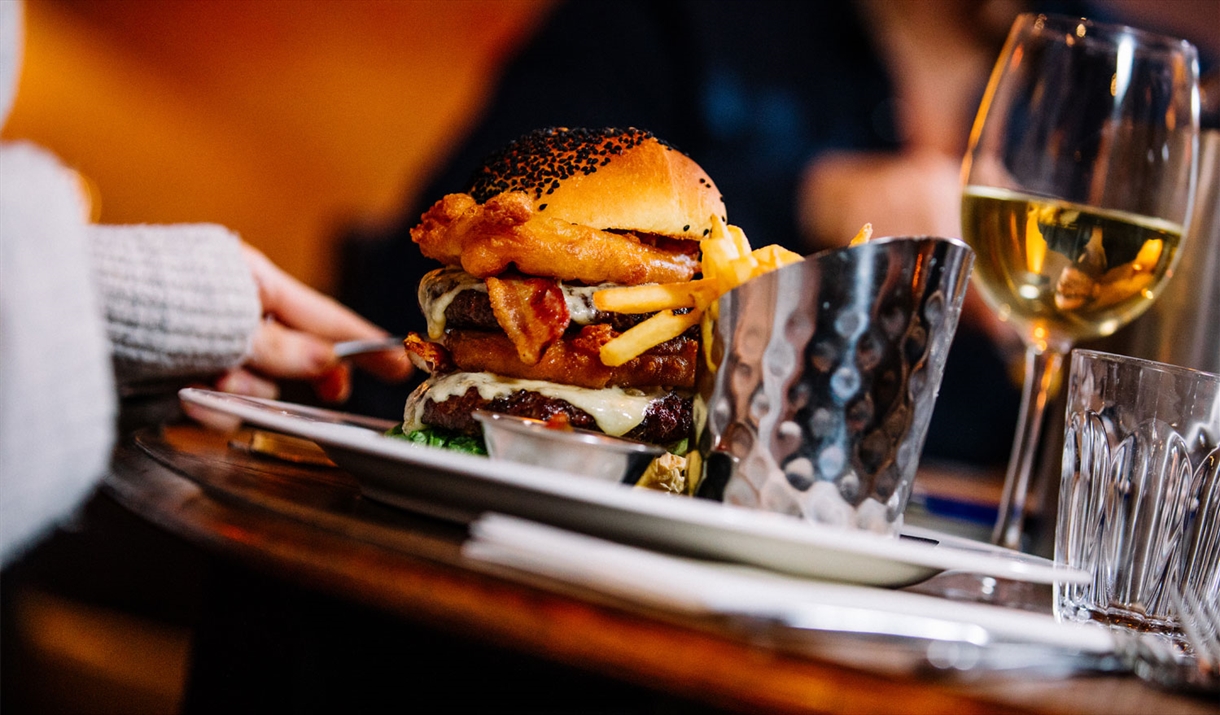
[88,309]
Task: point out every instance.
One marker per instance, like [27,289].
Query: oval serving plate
[461,486]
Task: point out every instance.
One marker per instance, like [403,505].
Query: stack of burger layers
[549,221]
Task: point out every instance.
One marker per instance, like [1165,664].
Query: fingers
[911,194]
[213,420]
[281,352]
[236,381]
[391,366]
[335,384]
[298,306]
[244,382]
[296,341]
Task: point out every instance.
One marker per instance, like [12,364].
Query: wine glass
[1078,183]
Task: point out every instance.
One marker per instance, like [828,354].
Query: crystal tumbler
[1139,502]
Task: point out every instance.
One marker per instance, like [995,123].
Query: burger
[547,223]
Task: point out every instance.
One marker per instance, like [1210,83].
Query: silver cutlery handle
[359,347]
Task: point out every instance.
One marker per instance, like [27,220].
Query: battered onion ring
[485,238]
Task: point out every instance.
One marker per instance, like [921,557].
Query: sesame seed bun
[609,179]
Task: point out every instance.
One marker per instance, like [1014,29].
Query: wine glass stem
[1041,368]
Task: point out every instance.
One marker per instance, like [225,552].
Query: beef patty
[666,420]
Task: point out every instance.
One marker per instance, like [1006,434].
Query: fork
[1200,623]
[357,347]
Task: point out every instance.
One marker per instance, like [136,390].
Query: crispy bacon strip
[532,312]
[575,361]
[432,358]
[486,238]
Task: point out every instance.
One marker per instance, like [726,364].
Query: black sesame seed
[542,207]
[541,160]
[686,228]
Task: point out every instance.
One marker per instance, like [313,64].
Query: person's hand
[917,193]
[296,338]
[909,194]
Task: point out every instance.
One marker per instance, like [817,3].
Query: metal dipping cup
[588,454]
[827,373]
[1139,503]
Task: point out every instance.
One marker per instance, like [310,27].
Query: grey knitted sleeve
[179,299]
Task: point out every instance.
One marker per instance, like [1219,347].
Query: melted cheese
[438,289]
[617,411]
[580,301]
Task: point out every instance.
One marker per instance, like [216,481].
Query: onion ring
[484,239]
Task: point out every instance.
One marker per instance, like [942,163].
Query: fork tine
[1200,622]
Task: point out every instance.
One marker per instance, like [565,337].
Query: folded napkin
[709,588]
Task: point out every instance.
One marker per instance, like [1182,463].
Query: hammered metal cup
[1139,502]
[827,372]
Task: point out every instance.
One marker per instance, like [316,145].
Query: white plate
[462,486]
[703,587]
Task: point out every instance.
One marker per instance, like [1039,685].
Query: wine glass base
[976,588]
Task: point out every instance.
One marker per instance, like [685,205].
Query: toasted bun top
[622,179]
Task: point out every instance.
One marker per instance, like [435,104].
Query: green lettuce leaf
[435,437]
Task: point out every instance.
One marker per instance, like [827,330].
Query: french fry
[718,249]
[740,240]
[765,259]
[728,261]
[720,230]
[862,236]
[648,334]
[739,271]
[706,326]
[784,257]
[708,293]
[775,256]
[652,297]
[717,254]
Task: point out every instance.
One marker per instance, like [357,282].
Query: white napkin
[706,588]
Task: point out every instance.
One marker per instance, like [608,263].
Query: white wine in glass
[1065,270]
[1079,181]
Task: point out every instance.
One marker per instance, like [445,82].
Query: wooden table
[309,525]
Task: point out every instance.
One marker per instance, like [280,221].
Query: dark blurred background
[295,122]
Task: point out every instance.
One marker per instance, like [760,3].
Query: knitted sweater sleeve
[179,299]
